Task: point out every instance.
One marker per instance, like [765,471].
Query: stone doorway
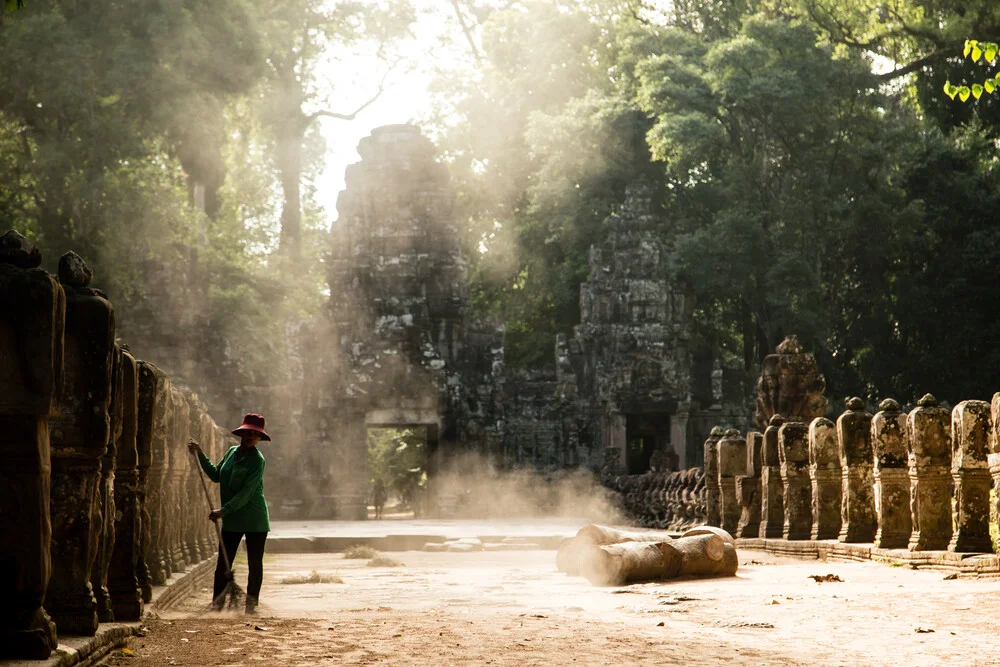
[404,458]
[646,434]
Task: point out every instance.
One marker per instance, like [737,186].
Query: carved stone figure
[892,479]
[929,451]
[712,494]
[32,317]
[748,488]
[80,434]
[153,396]
[857,511]
[124,575]
[793,452]
[732,464]
[772,507]
[790,385]
[826,479]
[106,496]
[970,424]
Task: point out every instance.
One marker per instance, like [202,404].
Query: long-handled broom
[232,589]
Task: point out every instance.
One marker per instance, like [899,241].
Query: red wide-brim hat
[253,422]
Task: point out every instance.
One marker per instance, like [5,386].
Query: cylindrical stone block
[793,448]
[826,479]
[892,479]
[732,464]
[970,426]
[711,460]
[772,507]
[928,429]
[857,509]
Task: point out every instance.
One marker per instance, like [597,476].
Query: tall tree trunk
[289,162]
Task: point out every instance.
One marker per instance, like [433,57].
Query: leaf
[128,652]
[991,52]
[976,54]
[969,43]
[950,90]
[963,93]
[989,85]
[977,90]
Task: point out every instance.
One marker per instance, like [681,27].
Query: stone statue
[790,385]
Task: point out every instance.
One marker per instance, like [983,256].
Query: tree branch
[468,33]
[351,116]
[917,64]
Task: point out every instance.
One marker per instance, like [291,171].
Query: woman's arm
[253,482]
[210,469]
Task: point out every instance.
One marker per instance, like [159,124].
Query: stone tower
[394,345]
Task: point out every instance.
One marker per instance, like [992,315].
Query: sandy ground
[513,608]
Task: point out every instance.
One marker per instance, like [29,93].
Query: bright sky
[405,98]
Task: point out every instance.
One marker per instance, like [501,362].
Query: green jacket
[241,485]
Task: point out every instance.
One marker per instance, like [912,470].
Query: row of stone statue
[98,498]
[919,480]
[669,500]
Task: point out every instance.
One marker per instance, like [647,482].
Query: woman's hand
[194,447]
[215,515]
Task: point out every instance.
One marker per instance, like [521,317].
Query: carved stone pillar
[929,452]
[857,509]
[826,479]
[32,316]
[748,488]
[207,536]
[106,496]
[994,455]
[153,397]
[80,435]
[192,522]
[732,463]
[178,472]
[970,424]
[713,499]
[793,452]
[124,575]
[892,479]
[772,491]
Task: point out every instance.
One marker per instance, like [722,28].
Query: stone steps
[965,564]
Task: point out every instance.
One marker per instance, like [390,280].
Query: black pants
[255,561]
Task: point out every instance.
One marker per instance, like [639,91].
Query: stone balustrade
[100,498]
[668,500]
[919,481]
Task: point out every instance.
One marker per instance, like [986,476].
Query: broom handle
[218,526]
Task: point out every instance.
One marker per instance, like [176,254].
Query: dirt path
[514,609]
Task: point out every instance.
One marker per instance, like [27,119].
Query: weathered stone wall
[98,500]
[671,500]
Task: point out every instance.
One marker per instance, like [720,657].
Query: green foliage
[398,457]
[975,50]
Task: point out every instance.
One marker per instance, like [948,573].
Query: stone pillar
[712,499]
[748,488]
[32,312]
[732,463]
[793,452]
[153,397]
[123,575]
[857,502]
[772,505]
[106,496]
[143,418]
[207,536]
[892,480]
[179,471]
[679,434]
[80,435]
[970,425]
[994,454]
[929,452]
[826,479]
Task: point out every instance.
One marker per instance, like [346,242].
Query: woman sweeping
[240,475]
